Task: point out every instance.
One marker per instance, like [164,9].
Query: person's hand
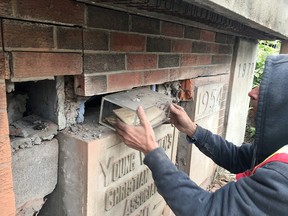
[140,137]
[181,120]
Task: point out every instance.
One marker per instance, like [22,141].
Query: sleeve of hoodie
[235,159]
[253,195]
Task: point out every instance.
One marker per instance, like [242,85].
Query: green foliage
[251,131]
[265,48]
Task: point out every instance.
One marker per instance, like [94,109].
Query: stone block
[34,173]
[104,177]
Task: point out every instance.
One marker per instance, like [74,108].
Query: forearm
[225,154]
[175,186]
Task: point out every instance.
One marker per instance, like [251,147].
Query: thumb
[141,115]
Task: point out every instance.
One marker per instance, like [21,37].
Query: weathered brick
[212,48]
[107,19]
[89,86]
[204,59]
[95,40]
[156,77]
[7,202]
[199,47]
[94,63]
[3,120]
[27,35]
[221,59]
[3,104]
[141,61]
[224,38]
[182,73]
[192,33]
[158,44]
[172,29]
[188,60]
[166,61]
[65,11]
[6,8]
[145,25]
[127,42]
[69,38]
[1,30]
[5,150]
[4,66]
[182,46]
[123,81]
[28,65]
[206,35]
[225,49]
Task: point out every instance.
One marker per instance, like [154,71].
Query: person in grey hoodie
[263,186]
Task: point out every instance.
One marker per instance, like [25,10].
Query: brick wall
[105,50]
[7,206]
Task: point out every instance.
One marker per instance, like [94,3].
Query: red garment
[280,156]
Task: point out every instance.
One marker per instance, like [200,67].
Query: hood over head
[272,114]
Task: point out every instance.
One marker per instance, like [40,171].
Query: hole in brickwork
[32,113]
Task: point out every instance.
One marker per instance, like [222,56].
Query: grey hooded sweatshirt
[263,193]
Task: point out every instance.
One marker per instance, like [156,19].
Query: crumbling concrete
[16,106]
[34,176]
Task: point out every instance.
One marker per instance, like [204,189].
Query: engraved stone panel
[207,106]
[105,177]
[242,78]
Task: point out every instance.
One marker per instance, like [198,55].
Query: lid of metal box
[141,96]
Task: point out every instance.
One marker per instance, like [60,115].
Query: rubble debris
[16,106]
[31,130]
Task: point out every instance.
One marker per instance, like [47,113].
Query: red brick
[146,25]
[4,66]
[27,35]
[172,29]
[69,38]
[141,61]
[5,149]
[204,59]
[94,63]
[221,59]
[1,30]
[103,18]
[166,61]
[192,33]
[212,48]
[7,202]
[182,73]
[223,38]
[127,42]
[29,65]
[3,104]
[207,35]
[95,40]
[225,49]
[64,11]
[182,46]
[123,81]
[6,9]
[158,44]
[4,131]
[156,77]
[188,60]
[89,86]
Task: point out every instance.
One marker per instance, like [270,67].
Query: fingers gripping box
[123,105]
